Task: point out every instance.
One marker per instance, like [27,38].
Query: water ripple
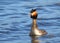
[56,18]
[15,24]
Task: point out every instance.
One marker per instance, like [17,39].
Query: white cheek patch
[32,14]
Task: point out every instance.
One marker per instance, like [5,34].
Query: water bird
[34,29]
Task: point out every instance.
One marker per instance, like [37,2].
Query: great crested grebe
[34,29]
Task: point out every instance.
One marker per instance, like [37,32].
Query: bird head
[33,14]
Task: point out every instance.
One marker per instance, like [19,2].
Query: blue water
[15,22]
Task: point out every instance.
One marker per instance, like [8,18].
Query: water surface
[15,22]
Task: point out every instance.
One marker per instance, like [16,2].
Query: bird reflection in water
[34,39]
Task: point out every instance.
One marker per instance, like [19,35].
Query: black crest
[32,10]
